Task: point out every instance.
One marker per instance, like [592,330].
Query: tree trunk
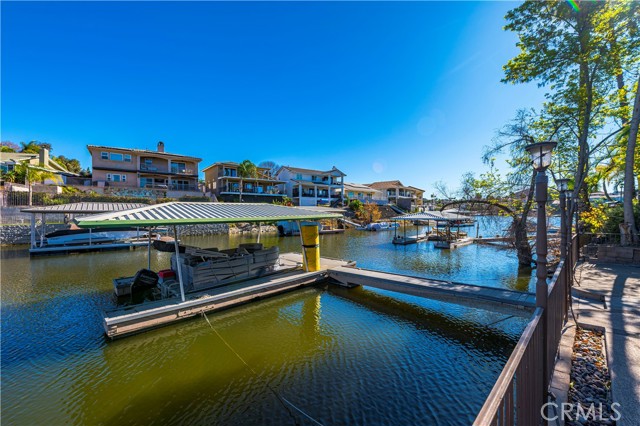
[241,185]
[629,178]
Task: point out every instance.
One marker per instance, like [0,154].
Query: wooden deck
[137,318]
[508,301]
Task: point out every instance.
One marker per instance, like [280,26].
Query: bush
[356,205]
[607,220]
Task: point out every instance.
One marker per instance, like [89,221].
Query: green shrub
[356,205]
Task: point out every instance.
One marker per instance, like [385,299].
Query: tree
[32,174]
[271,165]
[629,231]
[581,54]
[71,164]
[369,213]
[246,170]
[32,147]
[8,146]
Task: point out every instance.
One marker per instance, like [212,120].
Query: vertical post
[33,230]
[304,251]
[541,270]
[178,264]
[259,230]
[563,249]
[563,225]
[148,248]
[43,228]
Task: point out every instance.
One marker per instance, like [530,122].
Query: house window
[116,178]
[148,161]
[104,155]
[127,158]
[114,156]
[299,176]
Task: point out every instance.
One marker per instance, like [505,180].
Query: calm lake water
[359,356]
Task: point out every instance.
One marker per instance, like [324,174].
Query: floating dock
[134,319]
[45,250]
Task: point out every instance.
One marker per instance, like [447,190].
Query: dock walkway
[513,302]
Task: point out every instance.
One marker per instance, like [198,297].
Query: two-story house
[140,168]
[223,180]
[406,197]
[308,187]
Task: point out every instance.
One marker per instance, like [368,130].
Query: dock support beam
[33,230]
[178,264]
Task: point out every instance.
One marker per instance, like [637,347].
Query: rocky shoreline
[590,386]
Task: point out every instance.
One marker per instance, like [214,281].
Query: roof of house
[143,151]
[311,171]
[391,184]
[182,213]
[348,186]
[18,157]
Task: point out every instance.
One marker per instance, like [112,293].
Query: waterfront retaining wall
[618,254]
[21,234]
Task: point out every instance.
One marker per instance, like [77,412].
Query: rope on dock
[280,398]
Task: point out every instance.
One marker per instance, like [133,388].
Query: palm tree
[32,174]
[30,148]
[246,169]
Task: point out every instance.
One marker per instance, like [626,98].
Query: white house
[308,187]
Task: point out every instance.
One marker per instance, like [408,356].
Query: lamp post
[563,186]
[541,158]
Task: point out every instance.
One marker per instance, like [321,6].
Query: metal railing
[521,389]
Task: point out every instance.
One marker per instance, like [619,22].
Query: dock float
[134,319]
[495,299]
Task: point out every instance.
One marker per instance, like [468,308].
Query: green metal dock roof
[182,213]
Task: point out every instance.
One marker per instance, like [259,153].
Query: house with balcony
[307,187]
[364,193]
[173,175]
[405,197]
[223,180]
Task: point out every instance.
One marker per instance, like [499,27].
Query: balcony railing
[183,187]
[182,171]
[251,191]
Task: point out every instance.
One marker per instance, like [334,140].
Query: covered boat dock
[38,241]
[438,218]
[295,270]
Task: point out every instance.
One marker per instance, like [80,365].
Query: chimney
[160,146]
[44,157]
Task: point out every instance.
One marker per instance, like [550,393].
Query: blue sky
[383,91]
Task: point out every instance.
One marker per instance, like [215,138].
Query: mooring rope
[280,398]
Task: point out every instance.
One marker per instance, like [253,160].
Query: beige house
[406,197]
[140,168]
[222,179]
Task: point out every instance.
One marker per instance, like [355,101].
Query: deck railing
[521,389]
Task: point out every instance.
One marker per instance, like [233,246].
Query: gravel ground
[590,381]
